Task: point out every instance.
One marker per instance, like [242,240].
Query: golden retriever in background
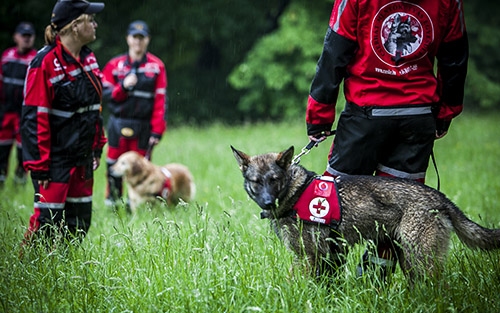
[147,181]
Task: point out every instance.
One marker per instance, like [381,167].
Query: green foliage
[243,60]
[482,92]
[482,25]
[217,255]
[277,72]
[483,83]
[199,42]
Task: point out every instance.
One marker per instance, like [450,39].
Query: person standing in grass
[384,52]
[135,89]
[14,64]
[62,129]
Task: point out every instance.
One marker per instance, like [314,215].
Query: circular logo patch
[127,131]
[401,32]
[319,207]
[323,186]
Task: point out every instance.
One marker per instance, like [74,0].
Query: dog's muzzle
[265,214]
[267,209]
[113,173]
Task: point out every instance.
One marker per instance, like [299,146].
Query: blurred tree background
[247,60]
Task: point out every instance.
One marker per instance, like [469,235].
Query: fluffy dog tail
[472,234]
[192,186]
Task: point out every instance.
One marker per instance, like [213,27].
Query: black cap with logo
[138,28]
[66,11]
[25,28]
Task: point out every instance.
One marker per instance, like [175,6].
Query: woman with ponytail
[62,129]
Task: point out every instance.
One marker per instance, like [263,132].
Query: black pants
[384,141]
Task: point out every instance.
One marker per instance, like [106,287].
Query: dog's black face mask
[265,188]
[265,177]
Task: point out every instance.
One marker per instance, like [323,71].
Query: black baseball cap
[66,11]
[138,28]
[25,28]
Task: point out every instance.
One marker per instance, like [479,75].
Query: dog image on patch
[319,218]
[400,37]
[147,181]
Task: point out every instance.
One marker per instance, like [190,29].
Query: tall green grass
[216,255]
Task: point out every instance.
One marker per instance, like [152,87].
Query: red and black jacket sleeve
[452,57]
[159,113]
[113,88]
[36,136]
[330,71]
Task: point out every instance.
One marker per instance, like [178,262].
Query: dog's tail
[472,234]
[193,190]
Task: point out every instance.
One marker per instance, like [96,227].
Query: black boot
[20,176]
[372,262]
[114,189]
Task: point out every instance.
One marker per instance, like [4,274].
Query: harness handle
[312,144]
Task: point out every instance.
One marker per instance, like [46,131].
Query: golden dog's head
[128,164]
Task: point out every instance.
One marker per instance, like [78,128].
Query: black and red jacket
[384,52]
[147,101]
[12,74]
[61,118]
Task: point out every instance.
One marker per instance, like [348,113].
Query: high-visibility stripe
[384,169]
[401,111]
[49,205]
[142,94]
[341,8]
[56,79]
[60,206]
[400,174]
[68,114]
[86,199]
[13,81]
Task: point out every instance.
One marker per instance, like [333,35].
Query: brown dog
[147,181]
[415,218]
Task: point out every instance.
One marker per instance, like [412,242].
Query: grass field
[216,255]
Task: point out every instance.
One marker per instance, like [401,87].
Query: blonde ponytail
[50,35]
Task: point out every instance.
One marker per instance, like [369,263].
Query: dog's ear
[285,158]
[135,168]
[242,158]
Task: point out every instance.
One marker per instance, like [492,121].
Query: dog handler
[62,130]
[135,89]
[15,61]
[396,105]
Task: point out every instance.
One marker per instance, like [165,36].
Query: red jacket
[147,101]
[384,51]
[61,119]
[12,74]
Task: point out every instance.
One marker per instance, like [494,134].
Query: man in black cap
[15,61]
[135,89]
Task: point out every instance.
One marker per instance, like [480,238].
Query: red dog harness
[320,202]
[167,185]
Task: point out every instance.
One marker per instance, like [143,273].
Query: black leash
[433,157]
[312,144]
[147,156]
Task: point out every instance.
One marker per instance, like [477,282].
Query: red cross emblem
[319,207]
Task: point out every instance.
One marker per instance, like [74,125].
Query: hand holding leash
[321,136]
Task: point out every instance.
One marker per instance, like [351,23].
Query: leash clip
[310,145]
[305,150]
